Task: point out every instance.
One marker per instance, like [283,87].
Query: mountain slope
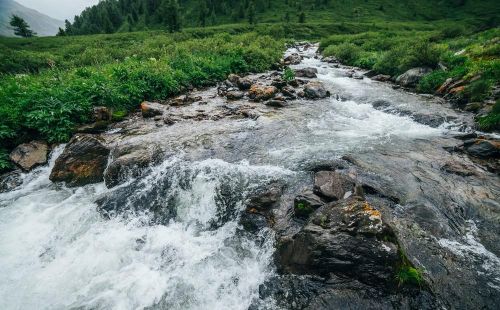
[132,15]
[42,24]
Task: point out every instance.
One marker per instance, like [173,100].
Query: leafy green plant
[492,120]
[432,81]
[288,74]
[478,90]
[5,163]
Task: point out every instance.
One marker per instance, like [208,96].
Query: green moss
[409,275]
[302,209]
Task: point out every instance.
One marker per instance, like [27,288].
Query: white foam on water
[472,249]
[57,252]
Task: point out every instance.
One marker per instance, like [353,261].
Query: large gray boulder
[29,155]
[411,77]
[306,72]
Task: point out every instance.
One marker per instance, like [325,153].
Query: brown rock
[259,92]
[82,162]
[102,113]
[29,155]
[151,109]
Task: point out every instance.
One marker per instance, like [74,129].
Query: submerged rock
[411,77]
[128,161]
[9,181]
[29,155]
[82,162]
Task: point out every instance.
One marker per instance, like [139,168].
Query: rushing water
[58,252]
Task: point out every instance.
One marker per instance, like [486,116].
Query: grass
[49,105]
[465,53]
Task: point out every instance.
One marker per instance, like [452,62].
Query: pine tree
[21,27]
[203,13]
[170,15]
[61,32]
[251,13]
[302,17]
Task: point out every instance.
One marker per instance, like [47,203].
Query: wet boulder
[293,59]
[29,155]
[483,148]
[129,161]
[315,90]
[306,203]
[82,162]
[307,73]
[260,92]
[381,78]
[102,113]
[10,181]
[151,109]
[332,185]
[243,83]
[258,205]
[347,239]
[235,95]
[411,77]
[276,103]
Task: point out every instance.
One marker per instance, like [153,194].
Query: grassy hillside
[134,15]
[42,24]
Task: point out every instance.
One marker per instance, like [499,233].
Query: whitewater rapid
[57,251]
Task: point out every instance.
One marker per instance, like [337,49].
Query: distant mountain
[42,24]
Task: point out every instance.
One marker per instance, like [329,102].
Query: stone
[169,121]
[484,149]
[29,155]
[293,59]
[332,185]
[263,198]
[458,168]
[347,239]
[184,100]
[306,203]
[276,103]
[315,90]
[129,161]
[233,79]
[381,78]
[96,127]
[244,83]
[102,113]
[473,106]
[411,77]
[235,95]
[10,181]
[444,87]
[260,92]
[151,109]
[82,162]
[306,72]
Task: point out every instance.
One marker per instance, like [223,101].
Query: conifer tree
[21,27]
[251,13]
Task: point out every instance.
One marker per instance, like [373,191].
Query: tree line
[110,16]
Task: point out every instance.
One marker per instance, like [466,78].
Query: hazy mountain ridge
[42,24]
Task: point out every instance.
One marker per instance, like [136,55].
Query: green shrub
[347,53]
[5,163]
[452,31]
[432,81]
[288,74]
[492,120]
[478,90]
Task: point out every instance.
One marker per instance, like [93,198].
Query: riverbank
[265,191]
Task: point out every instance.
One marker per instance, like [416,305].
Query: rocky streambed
[329,190]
